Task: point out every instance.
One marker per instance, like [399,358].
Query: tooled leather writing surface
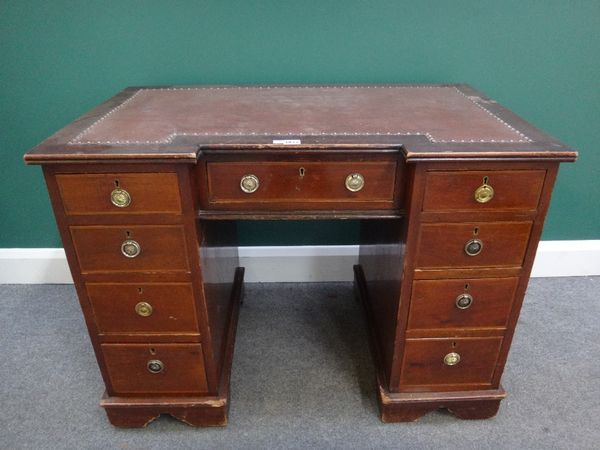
[175,123]
[156,116]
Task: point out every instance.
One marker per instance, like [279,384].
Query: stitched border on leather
[169,138]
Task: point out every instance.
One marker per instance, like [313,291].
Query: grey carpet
[302,377]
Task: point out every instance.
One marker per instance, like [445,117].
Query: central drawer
[313,185]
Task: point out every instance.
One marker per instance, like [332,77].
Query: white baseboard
[296,264]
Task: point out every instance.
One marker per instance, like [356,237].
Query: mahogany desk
[451,190]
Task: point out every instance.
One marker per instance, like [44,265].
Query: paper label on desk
[287,141]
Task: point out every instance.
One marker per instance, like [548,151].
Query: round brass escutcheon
[130,248]
[452,359]
[473,247]
[355,182]
[484,193]
[249,183]
[120,198]
[143,309]
[155,366]
[464,301]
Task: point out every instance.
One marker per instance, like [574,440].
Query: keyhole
[128,234]
[152,351]
[301,172]
[116,183]
[467,286]
[475,231]
[485,180]
[454,344]
[140,290]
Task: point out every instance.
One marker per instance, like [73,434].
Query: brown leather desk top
[440,121]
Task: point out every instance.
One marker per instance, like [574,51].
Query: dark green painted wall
[60,58]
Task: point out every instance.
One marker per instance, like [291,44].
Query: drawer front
[457,190]
[119,193]
[470,303]
[443,245]
[100,248]
[177,368]
[143,307]
[433,362]
[321,184]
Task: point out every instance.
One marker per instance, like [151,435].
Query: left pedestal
[160,289]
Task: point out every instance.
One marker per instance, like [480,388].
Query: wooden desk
[450,187]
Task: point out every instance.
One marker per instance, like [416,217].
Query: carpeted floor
[302,377]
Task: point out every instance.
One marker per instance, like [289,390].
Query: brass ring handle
[130,248]
[355,182]
[143,309]
[120,198]
[464,301]
[155,366]
[473,247]
[249,183]
[484,193]
[452,359]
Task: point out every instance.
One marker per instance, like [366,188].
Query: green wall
[60,58]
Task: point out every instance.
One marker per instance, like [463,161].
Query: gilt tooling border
[79,139]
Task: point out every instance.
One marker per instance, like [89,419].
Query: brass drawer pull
[355,182]
[452,359]
[485,192]
[120,198]
[155,366]
[473,247]
[464,301]
[143,309]
[249,183]
[130,248]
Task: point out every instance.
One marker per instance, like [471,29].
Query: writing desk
[450,187]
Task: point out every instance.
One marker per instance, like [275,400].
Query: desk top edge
[63,147]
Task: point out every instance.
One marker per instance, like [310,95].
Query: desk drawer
[155,368]
[513,190]
[446,364]
[143,307]
[119,193]
[149,248]
[490,244]
[324,185]
[470,303]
